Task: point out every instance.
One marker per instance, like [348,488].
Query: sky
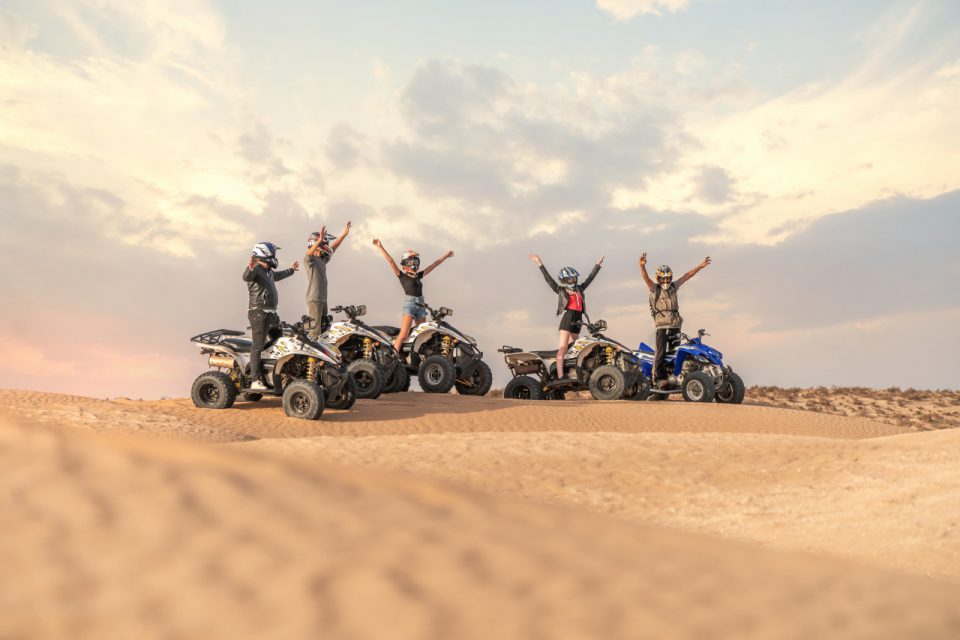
[811,149]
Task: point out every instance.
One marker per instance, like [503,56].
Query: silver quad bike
[606,368]
[441,356]
[369,355]
[307,375]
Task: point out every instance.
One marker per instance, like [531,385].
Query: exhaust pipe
[225,362]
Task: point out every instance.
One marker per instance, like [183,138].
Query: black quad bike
[307,375]
[441,356]
[370,357]
[595,363]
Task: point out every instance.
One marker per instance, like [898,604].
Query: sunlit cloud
[628,9]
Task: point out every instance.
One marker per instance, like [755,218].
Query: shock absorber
[611,358]
[367,348]
[312,369]
[445,346]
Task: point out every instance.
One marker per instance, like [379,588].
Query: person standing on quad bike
[319,251]
[570,303]
[261,281]
[411,279]
[665,308]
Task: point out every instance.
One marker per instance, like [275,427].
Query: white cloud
[818,149]
[628,9]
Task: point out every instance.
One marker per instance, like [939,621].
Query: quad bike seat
[549,354]
[387,330]
[240,345]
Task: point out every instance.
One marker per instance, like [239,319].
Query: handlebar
[437,314]
[353,312]
[508,349]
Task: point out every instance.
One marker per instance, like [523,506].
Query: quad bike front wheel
[213,390]
[437,375]
[732,390]
[397,381]
[303,399]
[479,383]
[698,387]
[524,388]
[607,383]
[343,399]
[368,376]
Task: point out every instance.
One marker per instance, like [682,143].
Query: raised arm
[437,262]
[254,272]
[546,274]
[593,273]
[323,232]
[694,271]
[643,271]
[393,265]
[336,243]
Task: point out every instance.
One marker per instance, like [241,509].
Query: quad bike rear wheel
[345,398]
[479,383]
[398,381]
[607,383]
[437,374]
[524,388]
[213,390]
[368,376]
[639,391]
[698,387]
[732,390]
[303,399]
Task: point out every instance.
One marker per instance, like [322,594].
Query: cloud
[628,9]
[884,128]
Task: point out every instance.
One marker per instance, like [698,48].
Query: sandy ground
[921,410]
[419,516]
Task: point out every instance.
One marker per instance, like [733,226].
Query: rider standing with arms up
[411,279]
[570,302]
[261,281]
[319,251]
[665,308]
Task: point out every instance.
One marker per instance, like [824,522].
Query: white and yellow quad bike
[605,367]
[306,374]
[369,356]
[442,357]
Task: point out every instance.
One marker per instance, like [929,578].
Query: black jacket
[562,296]
[262,285]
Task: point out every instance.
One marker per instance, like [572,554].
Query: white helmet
[267,252]
[410,262]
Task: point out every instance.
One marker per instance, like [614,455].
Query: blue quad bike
[696,371]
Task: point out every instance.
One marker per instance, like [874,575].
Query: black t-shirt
[412,285]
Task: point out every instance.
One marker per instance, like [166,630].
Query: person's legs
[565,339]
[405,325]
[664,339]
[316,310]
[258,330]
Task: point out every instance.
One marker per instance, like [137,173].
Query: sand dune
[442,517]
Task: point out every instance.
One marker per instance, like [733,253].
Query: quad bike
[307,375]
[441,356]
[697,372]
[370,357]
[605,367]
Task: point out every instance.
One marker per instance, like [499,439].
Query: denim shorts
[410,307]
